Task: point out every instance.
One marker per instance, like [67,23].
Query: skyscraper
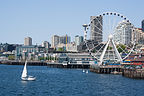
[78,39]
[143,25]
[28,41]
[123,33]
[96,28]
[64,39]
[55,41]
[60,40]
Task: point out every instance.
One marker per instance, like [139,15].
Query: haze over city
[42,19]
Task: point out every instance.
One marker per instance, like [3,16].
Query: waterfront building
[55,41]
[123,33]
[78,39]
[76,58]
[28,41]
[143,25]
[24,52]
[96,28]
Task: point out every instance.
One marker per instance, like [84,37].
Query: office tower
[96,28]
[55,41]
[78,39]
[64,39]
[28,41]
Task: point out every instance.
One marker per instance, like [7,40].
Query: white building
[123,33]
[78,39]
[55,41]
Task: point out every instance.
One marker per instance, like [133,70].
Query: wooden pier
[134,73]
[106,69]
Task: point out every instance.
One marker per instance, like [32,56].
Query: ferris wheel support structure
[102,51]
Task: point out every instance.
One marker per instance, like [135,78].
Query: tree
[121,47]
[11,57]
[60,49]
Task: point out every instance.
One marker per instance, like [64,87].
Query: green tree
[11,57]
[121,47]
[60,49]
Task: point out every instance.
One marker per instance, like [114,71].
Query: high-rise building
[55,41]
[78,39]
[46,44]
[139,34]
[60,40]
[143,25]
[28,41]
[123,33]
[64,39]
[96,28]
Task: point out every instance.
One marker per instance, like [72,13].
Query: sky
[40,19]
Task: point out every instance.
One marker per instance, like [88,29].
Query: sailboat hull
[28,78]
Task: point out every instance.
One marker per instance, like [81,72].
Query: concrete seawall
[34,63]
[49,64]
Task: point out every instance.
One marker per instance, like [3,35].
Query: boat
[83,70]
[86,71]
[116,73]
[24,75]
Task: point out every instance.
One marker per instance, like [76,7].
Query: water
[65,82]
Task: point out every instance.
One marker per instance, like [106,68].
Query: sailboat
[86,71]
[83,70]
[24,75]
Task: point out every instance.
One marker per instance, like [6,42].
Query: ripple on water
[65,82]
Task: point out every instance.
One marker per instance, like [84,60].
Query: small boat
[83,71]
[116,73]
[24,76]
[86,71]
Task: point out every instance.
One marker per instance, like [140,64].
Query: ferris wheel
[112,37]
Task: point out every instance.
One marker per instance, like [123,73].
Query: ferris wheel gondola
[110,38]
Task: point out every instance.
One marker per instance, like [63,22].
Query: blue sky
[40,19]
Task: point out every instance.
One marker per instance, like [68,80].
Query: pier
[49,64]
[34,63]
[134,73]
[106,69]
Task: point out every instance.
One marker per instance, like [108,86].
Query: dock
[106,69]
[134,73]
[33,63]
[49,64]
[61,65]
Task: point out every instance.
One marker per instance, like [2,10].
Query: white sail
[24,73]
